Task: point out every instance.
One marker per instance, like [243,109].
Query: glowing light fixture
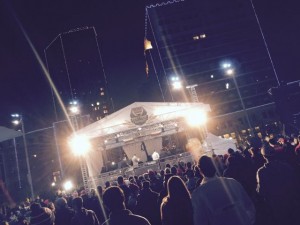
[196,117]
[229,71]
[68,185]
[74,109]
[80,145]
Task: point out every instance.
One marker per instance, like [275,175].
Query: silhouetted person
[176,208]
[63,213]
[83,216]
[41,215]
[113,199]
[147,204]
[220,200]
[277,185]
[124,188]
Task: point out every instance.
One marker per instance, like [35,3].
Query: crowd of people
[257,185]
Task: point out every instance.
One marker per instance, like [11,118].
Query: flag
[147,45]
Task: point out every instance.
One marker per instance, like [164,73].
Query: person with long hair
[176,207]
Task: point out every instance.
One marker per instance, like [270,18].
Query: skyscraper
[76,68]
[218,46]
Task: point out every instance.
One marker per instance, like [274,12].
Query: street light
[18,119]
[230,71]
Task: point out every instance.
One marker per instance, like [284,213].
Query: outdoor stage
[141,129]
[141,169]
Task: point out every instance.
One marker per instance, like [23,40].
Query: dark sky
[120,26]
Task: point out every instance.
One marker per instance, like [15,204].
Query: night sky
[120,27]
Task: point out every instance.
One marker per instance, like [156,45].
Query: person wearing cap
[113,199]
[220,200]
[277,187]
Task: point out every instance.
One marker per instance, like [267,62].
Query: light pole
[80,145]
[17,119]
[230,71]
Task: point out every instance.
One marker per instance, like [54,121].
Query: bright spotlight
[227,85]
[177,85]
[53,184]
[229,71]
[68,185]
[226,65]
[80,145]
[74,109]
[16,122]
[196,117]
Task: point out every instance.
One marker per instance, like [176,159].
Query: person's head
[230,151]
[168,165]
[113,198]
[93,192]
[173,170]
[77,203]
[120,180]
[35,208]
[206,166]
[134,189]
[107,184]
[151,174]
[51,206]
[167,170]
[177,189]
[162,173]
[146,185]
[189,165]
[268,152]
[60,203]
[190,174]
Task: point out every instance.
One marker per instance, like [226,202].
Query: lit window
[202,36]
[95,108]
[227,85]
[102,93]
[196,38]
[101,89]
[92,104]
[105,111]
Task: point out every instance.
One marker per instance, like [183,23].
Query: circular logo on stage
[138,115]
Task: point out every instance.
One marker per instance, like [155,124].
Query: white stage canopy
[140,114]
[219,145]
[6,134]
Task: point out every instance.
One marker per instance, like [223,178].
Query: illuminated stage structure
[141,129]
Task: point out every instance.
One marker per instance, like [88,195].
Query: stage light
[68,185]
[177,85]
[16,122]
[53,184]
[196,117]
[74,109]
[229,71]
[80,145]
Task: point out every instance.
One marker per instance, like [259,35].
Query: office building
[218,46]
[76,68]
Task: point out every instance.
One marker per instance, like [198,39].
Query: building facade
[76,68]
[216,45]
